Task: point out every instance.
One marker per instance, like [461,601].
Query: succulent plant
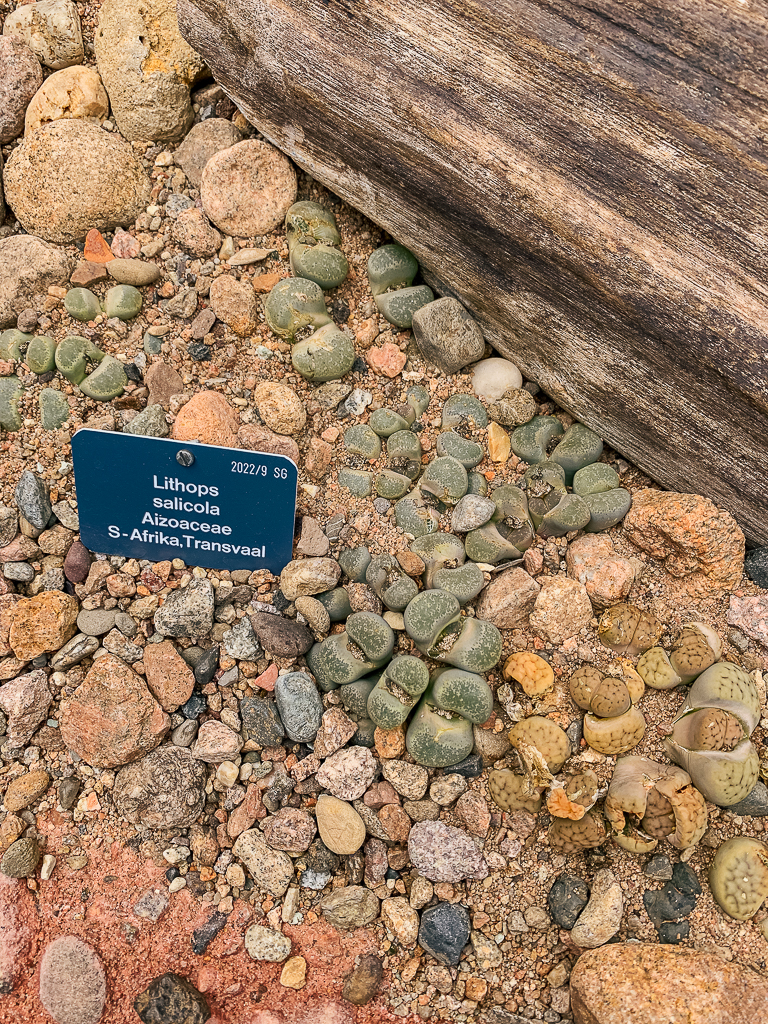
[567,836]
[533,673]
[123,301]
[397,691]
[71,359]
[573,798]
[513,792]
[656,670]
[465,582]
[354,562]
[433,621]
[41,354]
[544,486]
[366,644]
[388,581]
[398,307]
[391,269]
[629,630]
[82,304]
[11,393]
[359,439]
[604,696]
[328,354]
[386,422]
[106,382]
[391,485]
[357,481]
[464,412]
[437,738]
[595,478]
[614,735]
[469,453]
[606,508]
[13,344]
[466,693]
[404,453]
[570,513]
[530,443]
[312,233]
[648,801]
[710,734]
[695,650]
[354,696]
[418,398]
[293,305]
[414,516]
[738,876]
[445,479]
[545,736]
[438,551]
[578,447]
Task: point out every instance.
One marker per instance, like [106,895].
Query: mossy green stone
[545,487]
[13,343]
[579,447]
[488,545]
[386,421]
[123,301]
[418,398]
[446,479]
[607,508]
[327,355]
[465,582]
[41,354]
[82,304]
[336,603]
[358,482]
[570,513]
[354,696]
[107,381]
[388,581]
[530,442]
[466,693]
[392,485]
[354,562]
[464,411]
[438,551]
[398,307]
[10,397]
[469,453]
[413,516]
[477,484]
[428,615]
[294,304]
[70,358]
[437,738]
[54,409]
[391,266]
[593,479]
[359,439]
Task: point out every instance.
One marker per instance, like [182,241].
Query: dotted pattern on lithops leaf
[691,653]
[533,673]
[548,738]
[629,630]
[715,729]
[656,670]
[509,791]
[614,735]
[566,836]
[738,877]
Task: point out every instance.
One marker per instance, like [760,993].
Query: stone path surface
[425,772]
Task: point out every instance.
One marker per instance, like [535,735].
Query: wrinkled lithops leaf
[656,670]
[614,735]
[604,696]
[567,836]
[629,630]
[512,792]
[533,673]
[697,647]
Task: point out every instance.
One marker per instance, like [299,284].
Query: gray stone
[471,512]
[202,141]
[9,524]
[20,78]
[285,638]
[32,499]
[30,267]
[265,944]
[447,335]
[73,988]
[354,906]
[96,622]
[270,869]
[444,931]
[755,805]
[20,859]
[300,706]
[261,721]
[171,999]
[184,734]
[74,651]
[150,422]
[241,642]
[18,572]
[165,789]
[187,612]
[151,906]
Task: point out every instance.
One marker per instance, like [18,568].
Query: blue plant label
[219,508]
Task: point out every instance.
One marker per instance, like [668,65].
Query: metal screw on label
[184,457]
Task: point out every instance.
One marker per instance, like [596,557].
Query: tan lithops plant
[513,792]
[697,647]
[604,696]
[546,736]
[632,678]
[738,877]
[566,836]
[629,630]
[533,673]
[614,735]
[656,670]
[710,735]
[648,801]
[573,798]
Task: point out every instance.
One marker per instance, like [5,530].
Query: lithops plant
[387,579]
[529,670]
[738,876]
[466,693]
[695,650]
[544,736]
[614,735]
[13,344]
[530,443]
[569,836]
[397,691]
[433,621]
[544,486]
[513,792]
[570,513]
[469,453]
[391,270]
[366,644]
[465,582]
[710,735]
[628,630]
[294,305]
[438,551]
[445,479]
[312,235]
[107,381]
[656,670]
[573,798]
[328,354]
[648,801]
[508,534]
[578,447]
[404,453]
[604,696]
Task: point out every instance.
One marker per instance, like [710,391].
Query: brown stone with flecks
[396,822]
[262,439]
[379,794]
[207,417]
[112,718]
[27,790]
[87,272]
[509,599]
[691,536]
[163,383]
[266,282]
[11,828]
[8,604]
[21,549]
[245,814]
[169,677]
[649,983]
[593,561]
[42,624]
[364,983]
[386,359]
[96,249]
[389,742]
[318,458]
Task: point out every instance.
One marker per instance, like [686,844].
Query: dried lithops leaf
[559,806]
[656,670]
[697,647]
[690,811]
[634,841]
[567,836]
[629,630]
[714,729]
[633,680]
[534,765]
[614,735]
[723,777]
[738,877]
[583,788]
[533,673]
[511,792]
[546,736]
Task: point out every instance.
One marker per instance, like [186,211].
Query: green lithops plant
[398,307]
[13,344]
[392,485]
[71,358]
[578,447]
[366,644]
[357,481]
[604,696]
[418,398]
[359,439]
[388,581]
[428,615]
[397,691]
[445,479]
[354,562]
[107,381]
[477,484]
[545,488]
[628,630]
[54,409]
[294,305]
[607,508]
[477,648]
[11,393]
[354,696]
[695,650]
[41,354]
[570,513]
[614,735]
[328,354]
[438,551]
[433,621]
[465,582]
[487,544]
[404,453]
[391,270]
[595,478]
[464,412]
[468,453]
[414,516]
[438,738]
[312,235]
[123,301]
[82,304]
[738,876]
[531,442]
[386,422]
[710,734]
[466,693]
[336,603]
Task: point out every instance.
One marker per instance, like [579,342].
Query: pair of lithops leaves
[710,734]
[312,236]
[648,801]
[391,270]
[613,723]
[696,649]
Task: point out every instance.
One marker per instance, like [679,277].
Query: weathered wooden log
[588,178]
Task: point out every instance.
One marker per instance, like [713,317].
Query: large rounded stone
[165,789]
[74,92]
[20,78]
[52,31]
[147,68]
[203,141]
[43,624]
[71,176]
[248,189]
[73,988]
[30,267]
[446,335]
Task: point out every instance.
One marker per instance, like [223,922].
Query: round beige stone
[234,303]
[247,189]
[341,827]
[294,973]
[74,92]
[280,407]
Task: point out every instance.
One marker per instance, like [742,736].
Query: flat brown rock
[649,984]
[207,417]
[43,624]
[509,599]
[112,718]
[169,677]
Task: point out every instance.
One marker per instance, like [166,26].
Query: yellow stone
[294,973]
[498,443]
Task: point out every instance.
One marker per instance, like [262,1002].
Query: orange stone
[96,249]
[207,417]
[389,742]
[266,282]
[386,359]
[267,679]
[169,677]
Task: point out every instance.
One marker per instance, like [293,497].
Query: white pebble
[49,863]
[177,883]
[492,377]
[227,773]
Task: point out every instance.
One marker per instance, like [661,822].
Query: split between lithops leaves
[604,696]
[628,630]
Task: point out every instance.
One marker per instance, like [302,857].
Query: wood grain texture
[588,178]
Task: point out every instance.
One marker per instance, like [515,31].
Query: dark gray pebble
[566,900]
[755,805]
[171,999]
[32,500]
[470,767]
[203,936]
[756,566]
[194,706]
[659,867]
[261,721]
[444,932]
[285,638]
